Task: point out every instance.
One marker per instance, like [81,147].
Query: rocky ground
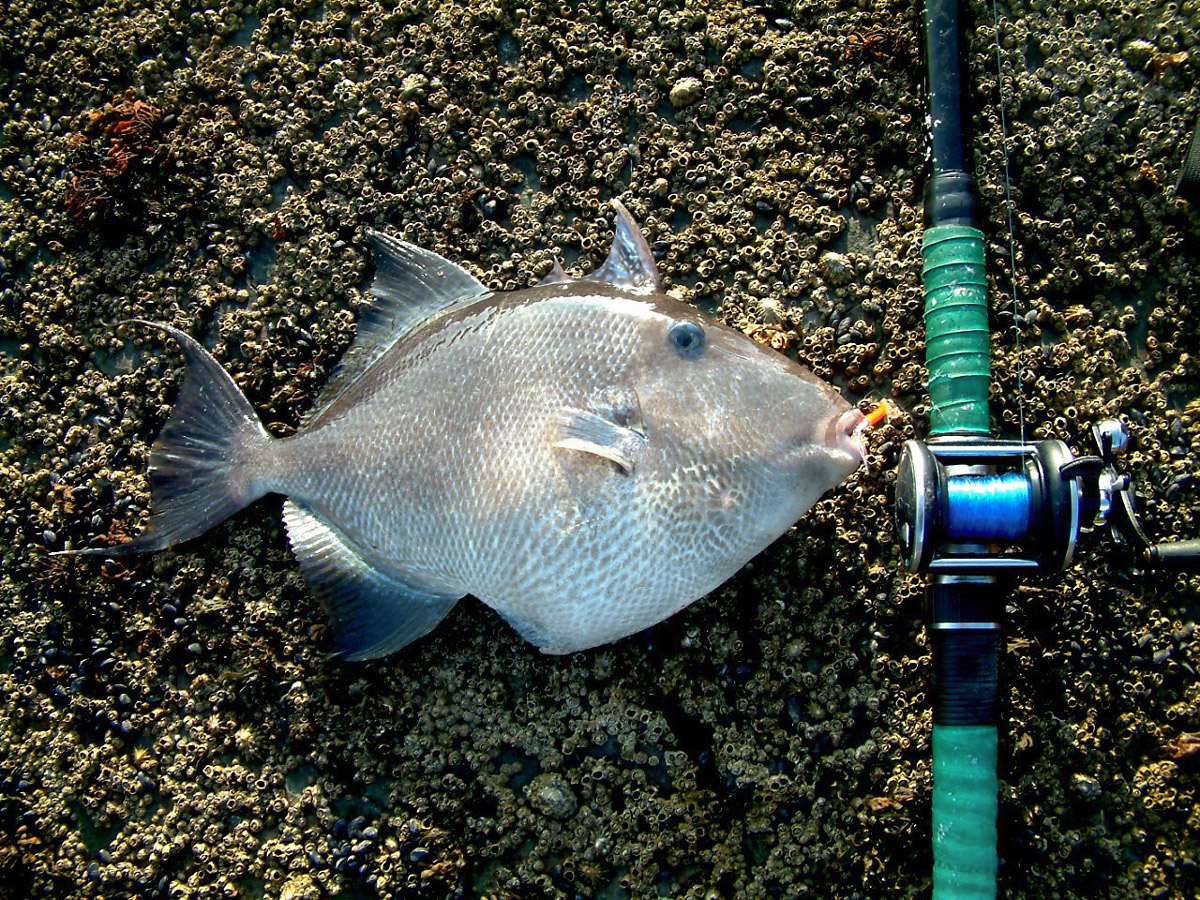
[170,726]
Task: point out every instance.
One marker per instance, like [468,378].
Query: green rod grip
[964,812]
[957,339]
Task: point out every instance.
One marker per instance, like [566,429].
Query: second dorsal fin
[410,285]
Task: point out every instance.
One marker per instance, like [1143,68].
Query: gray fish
[587,456]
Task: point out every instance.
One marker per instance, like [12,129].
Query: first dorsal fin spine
[630,264]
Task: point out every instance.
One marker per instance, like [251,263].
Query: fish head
[751,438]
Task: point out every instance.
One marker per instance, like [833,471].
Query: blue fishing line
[988,506]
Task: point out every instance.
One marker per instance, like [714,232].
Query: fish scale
[586,456]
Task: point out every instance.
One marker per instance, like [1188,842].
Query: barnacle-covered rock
[170,726]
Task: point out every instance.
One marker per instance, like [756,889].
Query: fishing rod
[972,511]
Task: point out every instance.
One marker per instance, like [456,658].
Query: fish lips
[845,435]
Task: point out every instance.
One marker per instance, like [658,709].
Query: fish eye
[687,338]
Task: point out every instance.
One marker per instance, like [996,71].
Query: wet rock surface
[170,725]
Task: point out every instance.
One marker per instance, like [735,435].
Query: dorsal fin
[410,285]
[555,275]
[630,263]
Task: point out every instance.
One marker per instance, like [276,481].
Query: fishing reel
[990,507]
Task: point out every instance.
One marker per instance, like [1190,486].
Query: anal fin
[373,612]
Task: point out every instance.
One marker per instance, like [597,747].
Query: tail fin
[207,462]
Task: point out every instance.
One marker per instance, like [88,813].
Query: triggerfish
[586,456]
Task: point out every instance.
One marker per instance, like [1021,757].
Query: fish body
[585,456]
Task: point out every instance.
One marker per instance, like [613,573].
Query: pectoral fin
[588,432]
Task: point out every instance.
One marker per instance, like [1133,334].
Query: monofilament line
[1012,240]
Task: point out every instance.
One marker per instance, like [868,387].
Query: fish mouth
[845,433]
